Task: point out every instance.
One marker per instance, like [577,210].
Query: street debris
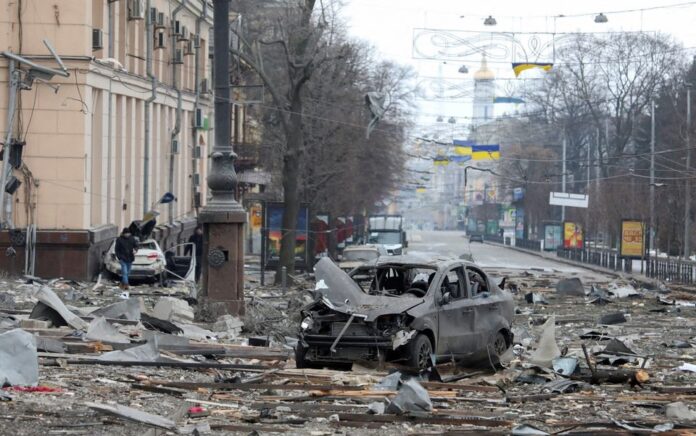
[129,368]
[18,359]
[547,349]
[570,287]
[680,412]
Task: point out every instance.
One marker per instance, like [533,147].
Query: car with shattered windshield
[404,309]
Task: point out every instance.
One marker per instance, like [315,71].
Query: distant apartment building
[129,124]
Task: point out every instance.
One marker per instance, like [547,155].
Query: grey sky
[389,25]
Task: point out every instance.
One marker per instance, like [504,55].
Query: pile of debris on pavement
[591,354]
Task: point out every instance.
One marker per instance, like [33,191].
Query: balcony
[248,156]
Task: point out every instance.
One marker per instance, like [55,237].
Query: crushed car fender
[402,337]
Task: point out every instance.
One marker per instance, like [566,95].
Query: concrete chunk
[173,309]
[570,287]
[19,361]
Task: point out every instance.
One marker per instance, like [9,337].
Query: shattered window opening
[401,280]
[477,282]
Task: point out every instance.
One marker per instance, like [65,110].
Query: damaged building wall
[86,162]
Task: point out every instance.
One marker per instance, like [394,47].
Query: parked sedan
[149,262]
[477,237]
[403,309]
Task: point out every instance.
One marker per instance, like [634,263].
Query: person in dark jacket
[126,247]
[197,240]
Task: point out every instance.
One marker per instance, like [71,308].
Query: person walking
[197,240]
[126,247]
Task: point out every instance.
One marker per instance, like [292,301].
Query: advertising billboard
[572,235]
[632,238]
[273,233]
[553,236]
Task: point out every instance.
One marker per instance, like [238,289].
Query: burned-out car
[403,309]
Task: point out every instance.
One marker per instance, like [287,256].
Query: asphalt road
[452,243]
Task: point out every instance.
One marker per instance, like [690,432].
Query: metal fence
[494,238]
[528,244]
[671,269]
[609,259]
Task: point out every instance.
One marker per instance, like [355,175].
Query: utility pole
[563,183]
[223,217]
[651,235]
[687,199]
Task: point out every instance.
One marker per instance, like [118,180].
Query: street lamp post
[687,187]
[223,217]
[651,235]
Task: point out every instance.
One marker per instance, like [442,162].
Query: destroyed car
[403,309]
[357,255]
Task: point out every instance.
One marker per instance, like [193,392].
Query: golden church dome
[484,73]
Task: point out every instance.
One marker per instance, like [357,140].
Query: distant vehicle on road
[388,231]
[357,255]
[476,238]
[403,309]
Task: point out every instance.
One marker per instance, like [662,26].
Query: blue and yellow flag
[420,189]
[460,159]
[518,67]
[513,100]
[462,147]
[441,161]
[485,152]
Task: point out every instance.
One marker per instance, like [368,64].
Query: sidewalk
[598,269]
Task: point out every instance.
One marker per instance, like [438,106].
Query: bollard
[284,279]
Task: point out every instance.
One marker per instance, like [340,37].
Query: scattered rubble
[89,361]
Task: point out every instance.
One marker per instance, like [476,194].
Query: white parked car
[149,262]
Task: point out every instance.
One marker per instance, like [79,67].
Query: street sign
[632,238]
[567,199]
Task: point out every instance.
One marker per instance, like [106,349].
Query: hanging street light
[601,18]
[490,21]
[463,69]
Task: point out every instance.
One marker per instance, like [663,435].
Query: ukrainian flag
[441,161]
[420,189]
[462,147]
[460,159]
[518,67]
[485,152]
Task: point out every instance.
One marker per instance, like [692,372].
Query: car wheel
[419,352]
[499,345]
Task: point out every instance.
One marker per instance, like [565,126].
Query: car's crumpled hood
[342,294]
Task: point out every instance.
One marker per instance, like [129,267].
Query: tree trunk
[291,195]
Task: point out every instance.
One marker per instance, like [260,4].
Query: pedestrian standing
[126,247]
[197,240]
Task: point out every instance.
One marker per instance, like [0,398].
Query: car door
[485,306]
[456,318]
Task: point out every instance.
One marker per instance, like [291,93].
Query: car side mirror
[446,298]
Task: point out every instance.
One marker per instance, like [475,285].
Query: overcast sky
[389,25]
